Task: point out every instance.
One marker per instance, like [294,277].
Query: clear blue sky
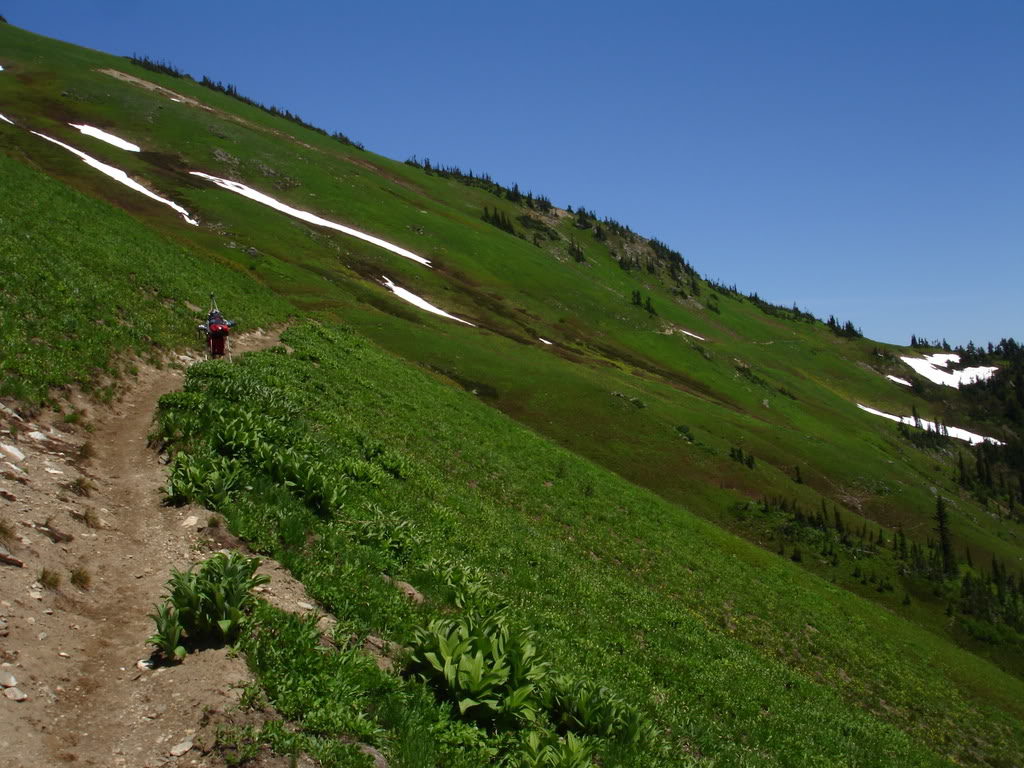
[862,158]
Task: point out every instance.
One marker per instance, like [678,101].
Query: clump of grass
[81,578]
[6,531]
[86,451]
[49,579]
[213,522]
[92,519]
[74,417]
[80,486]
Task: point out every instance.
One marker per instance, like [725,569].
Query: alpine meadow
[555,497]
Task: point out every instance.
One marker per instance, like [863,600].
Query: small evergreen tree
[945,548]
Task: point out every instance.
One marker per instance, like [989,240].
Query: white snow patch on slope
[694,335]
[110,138]
[118,175]
[6,119]
[544,341]
[959,434]
[898,380]
[312,218]
[931,367]
[412,298]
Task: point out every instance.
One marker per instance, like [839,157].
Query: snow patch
[120,176]
[694,335]
[412,298]
[110,138]
[931,367]
[543,341]
[6,119]
[312,218]
[898,380]
[959,434]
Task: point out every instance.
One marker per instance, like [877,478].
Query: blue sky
[859,158]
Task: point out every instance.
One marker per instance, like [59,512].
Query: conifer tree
[840,528]
[945,549]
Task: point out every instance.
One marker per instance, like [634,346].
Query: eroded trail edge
[83,509]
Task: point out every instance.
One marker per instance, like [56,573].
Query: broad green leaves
[206,607]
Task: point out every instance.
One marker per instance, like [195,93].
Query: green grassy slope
[622,389]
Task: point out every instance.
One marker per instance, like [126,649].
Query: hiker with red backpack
[217,329]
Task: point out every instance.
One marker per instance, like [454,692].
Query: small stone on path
[15,694]
[305,606]
[7,680]
[180,749]
[190,521]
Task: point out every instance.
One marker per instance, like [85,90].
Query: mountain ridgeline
[649,523]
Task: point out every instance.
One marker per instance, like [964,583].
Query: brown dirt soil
[74,647]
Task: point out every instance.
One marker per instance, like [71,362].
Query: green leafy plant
[545,750]
[167,637]
[208,606]
[482,665]
[585,707]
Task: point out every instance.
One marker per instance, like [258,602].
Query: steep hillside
[669,484]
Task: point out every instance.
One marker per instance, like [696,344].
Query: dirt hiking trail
[82,511]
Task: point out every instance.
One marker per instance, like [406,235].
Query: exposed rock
[180,749]
[410,591]
[13,452]
[37,436]
[9,412]
[375,755]
[8,495]
[383,652]
[7,680]
[15,694]
[190,521]
[225,157]
[305,606]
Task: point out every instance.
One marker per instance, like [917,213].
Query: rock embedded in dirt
[190,521]
[180,749]
[410,591]
[375,755]
[15,694]
[13,452]
[7,680]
